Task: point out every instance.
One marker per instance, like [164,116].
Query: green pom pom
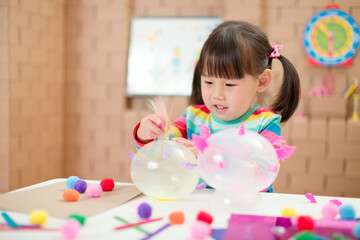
[79,217]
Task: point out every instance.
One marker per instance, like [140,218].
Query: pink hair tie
[275,53]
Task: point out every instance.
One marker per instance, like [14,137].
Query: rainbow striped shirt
[257,119]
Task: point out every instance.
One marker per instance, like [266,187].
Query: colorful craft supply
[310,197]
[329,211]
[138,223]
[174,217]
[79,217]
[177,217]
[71,181]
[9,220]
[356,230]
[347,212]
[107,184]
[305,223]
[80,186]
[94,190]
[283,222]
[204,217]
[38,217]
[200,186]
[288,212]
[200,230]
[144,210]
[70,229]
[71,195]
[136,227]
[336,202]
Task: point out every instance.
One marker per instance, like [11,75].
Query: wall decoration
[331,38]
[163,52]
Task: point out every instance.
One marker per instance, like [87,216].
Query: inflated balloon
[238,163]
[165,170]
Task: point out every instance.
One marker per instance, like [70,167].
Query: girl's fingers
[194,151]
[183,141]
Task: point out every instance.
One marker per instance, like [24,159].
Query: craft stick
[136,227]
[156,232]
[24,226]
[137,223]
[8,219]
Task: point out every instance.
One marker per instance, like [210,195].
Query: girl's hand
[187,143]
[150,128]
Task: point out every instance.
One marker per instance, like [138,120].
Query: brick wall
[92,134]
[36,51]
[4,97]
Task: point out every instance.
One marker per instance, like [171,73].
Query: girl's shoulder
[198,109]
[261,110]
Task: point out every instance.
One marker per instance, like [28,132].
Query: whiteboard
[163,52]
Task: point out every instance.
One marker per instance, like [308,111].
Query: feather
[200,140]
[284,152]
[158,106]
[241,129]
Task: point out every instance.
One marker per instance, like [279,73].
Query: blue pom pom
[356,230]
[71,181]
[80,186]
[144,210]
[347,212]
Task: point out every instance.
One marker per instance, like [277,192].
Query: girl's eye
[207,82]
[230,85]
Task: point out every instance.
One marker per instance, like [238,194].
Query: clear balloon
[165,170]
[238,163]
[238,166]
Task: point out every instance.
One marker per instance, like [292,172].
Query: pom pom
[71,195]
[38,217]
[94,190]
[71,181]
[204,217]
[144,211]
[329,211]
[80,218]
[288,212]
[80,186]
[70,229]
[347,212]
[356,230]
[305,223]
[107,184]
[177,218]
[283,222]
[200,230]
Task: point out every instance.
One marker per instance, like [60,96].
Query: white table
[101,226]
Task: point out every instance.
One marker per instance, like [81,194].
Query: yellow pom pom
[38,216]
[288,212]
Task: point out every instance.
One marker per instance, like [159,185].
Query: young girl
[234,67]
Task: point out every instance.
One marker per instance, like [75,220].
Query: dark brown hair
[235,49]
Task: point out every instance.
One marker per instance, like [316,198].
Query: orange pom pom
[71,195]
[177,218]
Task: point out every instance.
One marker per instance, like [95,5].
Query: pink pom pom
[329,211]
[94,190]
[70,229]
[200,230]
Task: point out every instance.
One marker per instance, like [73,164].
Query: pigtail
[195,97]
[288,97]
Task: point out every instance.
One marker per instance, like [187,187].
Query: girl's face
[229,99]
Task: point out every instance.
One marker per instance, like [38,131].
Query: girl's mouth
[220,108]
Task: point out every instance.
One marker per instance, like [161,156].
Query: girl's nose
[219,94]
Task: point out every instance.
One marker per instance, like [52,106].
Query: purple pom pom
[80,186]
[144,210]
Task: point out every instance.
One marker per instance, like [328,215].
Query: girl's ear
[264,80]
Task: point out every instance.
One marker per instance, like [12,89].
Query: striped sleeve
[178,128]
